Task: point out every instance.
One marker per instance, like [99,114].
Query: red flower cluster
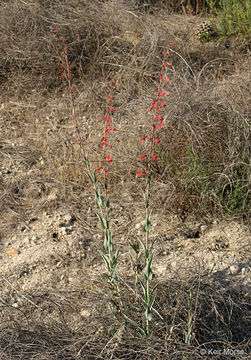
[157,105]
[108,131]
[65,66]
[66,75]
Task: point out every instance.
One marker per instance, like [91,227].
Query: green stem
[147,241]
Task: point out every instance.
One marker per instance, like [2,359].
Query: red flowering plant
[157,107]
[110,256]
[65,68]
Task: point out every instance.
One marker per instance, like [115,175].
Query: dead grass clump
[199,150]
[204,150]
[101,39]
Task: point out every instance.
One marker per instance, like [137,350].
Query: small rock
[140,225]
[34,239]
[26,241]
[52,196]
[12,252]
[85,313]
[70,219]
[234,269]
[203,228]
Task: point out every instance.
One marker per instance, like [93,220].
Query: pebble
[12,252]
[35,239]
[140,225]
[85,313]
[234,269]
[26,241]
[203,228]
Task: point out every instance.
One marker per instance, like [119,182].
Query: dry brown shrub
[204,151]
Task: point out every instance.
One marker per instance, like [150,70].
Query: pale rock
[234,269]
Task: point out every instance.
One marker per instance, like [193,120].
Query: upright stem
[146,243]
[150,294]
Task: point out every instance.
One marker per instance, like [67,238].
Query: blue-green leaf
[142,331]
[89,177]
[100,219]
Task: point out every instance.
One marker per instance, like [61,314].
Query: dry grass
[41,327]
[48,324]
[204,164]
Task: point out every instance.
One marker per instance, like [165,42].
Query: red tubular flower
[166,92]
[104,140]
[140,173]
[108,158]
[107,119]
[109,130]
[161,93]
[157,106]
[161,103]
[153,105]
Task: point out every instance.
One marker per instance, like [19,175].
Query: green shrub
[234,15]
[234,194]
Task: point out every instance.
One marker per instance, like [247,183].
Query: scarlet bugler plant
[109,255]
[147,245]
